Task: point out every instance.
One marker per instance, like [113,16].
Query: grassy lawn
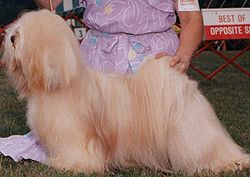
[228,92]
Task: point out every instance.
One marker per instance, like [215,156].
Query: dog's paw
[238,165]
[244,163]
[56,163]
[73,165]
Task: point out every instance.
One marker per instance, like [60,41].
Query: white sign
[232,23]
[188,5]
[80,32]
[67,5]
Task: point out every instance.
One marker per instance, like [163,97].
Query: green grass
[228,92]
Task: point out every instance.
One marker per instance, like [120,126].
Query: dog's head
[41,53]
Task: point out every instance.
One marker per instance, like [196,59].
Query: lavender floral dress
[123,35]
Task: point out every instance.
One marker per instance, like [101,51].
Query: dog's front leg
[78,157]
[63,131]
[70,148]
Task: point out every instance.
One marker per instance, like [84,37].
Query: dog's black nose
[12,38]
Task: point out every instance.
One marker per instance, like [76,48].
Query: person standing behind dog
[123,34]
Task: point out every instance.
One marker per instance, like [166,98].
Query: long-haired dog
[89,121]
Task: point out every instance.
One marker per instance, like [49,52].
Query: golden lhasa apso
[90,121]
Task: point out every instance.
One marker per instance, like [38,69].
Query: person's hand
[190,38]
[180,62]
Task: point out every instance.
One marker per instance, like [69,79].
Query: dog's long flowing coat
[90,121]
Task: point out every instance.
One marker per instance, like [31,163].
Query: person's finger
[183,68]
[179,67]
[174,61]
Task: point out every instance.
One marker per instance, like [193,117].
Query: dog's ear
[54,66]
[61,68]
[54,56]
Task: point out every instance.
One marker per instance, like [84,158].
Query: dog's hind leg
[197,141]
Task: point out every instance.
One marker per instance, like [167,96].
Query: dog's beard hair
[14,69]
[18,78]
[156,118]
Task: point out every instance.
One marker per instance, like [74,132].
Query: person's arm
[190,38]
[45,3]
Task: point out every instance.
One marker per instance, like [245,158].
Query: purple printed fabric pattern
[123,33]
[22,147]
